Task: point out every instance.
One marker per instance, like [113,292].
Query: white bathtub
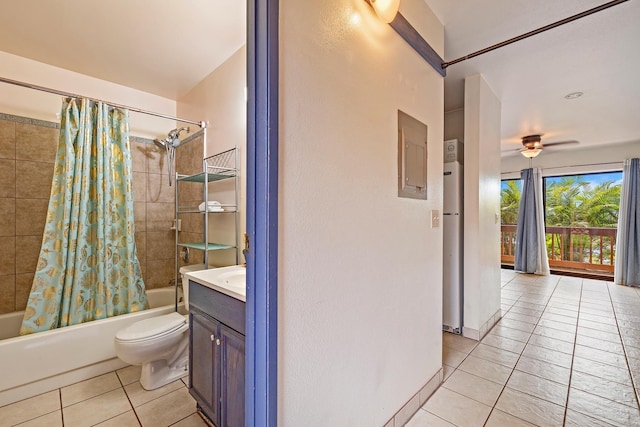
[37,363]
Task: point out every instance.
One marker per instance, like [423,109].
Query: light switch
[497,218]
[435,218]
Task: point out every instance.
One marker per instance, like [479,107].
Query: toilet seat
[152,328]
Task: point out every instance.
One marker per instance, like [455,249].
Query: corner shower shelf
[209,247]
[219,167]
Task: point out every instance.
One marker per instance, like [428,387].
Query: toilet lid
[151,327]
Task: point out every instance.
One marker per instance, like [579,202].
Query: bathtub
[37,363]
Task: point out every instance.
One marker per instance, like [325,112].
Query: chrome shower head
[160,143]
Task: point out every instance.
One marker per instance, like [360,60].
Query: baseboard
[477,335]
[414,404]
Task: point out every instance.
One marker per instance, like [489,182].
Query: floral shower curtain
[88,268]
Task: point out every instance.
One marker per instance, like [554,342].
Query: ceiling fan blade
[551,144]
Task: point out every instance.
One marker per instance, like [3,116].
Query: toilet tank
[185,280]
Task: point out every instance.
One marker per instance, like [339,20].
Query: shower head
[173,138]
[160,143]
[176,133]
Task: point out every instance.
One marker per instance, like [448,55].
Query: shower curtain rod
[202,124]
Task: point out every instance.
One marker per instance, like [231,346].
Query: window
[510,190]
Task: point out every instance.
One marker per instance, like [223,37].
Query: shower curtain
[88,268]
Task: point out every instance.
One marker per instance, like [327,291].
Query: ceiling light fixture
[385,9]
[573,95]
[530,152]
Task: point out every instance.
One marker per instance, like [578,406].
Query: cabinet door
[232,349]
[204,361]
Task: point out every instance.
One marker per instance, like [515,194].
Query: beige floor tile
[485,369]
[194,420]
[512,315]
[617,392]
[447,371]
[458,342]
[601,370]
[516,324]
[547,355]
[576,419]
[474,387]
[569,337]
[530,408]
[527,311]
[53,419]
[457,409]
[615,359]
[613,347]
[603,409]
[603,327]
[496,355]
[31,408]
[89,388]
[561,312]
[139,396]
[539,387]
[96,409]
[503,343]
[452,357]
[510,333]
[128,419]
[167,409]
[552,317]
[129,374]
[544,370]
[423,418]
[594,333]
[610,320]
[551,343]
[502,419]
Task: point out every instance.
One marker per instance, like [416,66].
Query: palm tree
[510,202]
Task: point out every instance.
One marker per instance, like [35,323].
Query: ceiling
[598,55]
[166,48]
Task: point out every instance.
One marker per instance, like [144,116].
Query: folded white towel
[212,206]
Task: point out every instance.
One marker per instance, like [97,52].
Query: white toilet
[160,344]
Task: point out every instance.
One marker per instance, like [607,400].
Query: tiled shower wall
[27,153]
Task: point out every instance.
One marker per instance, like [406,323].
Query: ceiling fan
[533,145]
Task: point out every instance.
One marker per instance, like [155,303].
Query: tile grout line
[128,399]
[520,356]
[573,354]
[61,411]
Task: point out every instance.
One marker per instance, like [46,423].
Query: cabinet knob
[213,337]
[217,341]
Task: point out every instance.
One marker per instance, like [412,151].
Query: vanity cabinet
[217,354]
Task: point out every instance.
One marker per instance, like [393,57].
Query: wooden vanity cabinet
[217,354]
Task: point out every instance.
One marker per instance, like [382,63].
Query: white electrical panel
[454,151]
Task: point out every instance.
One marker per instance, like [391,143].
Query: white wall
[481,205]
[44,106]
[454,125]
[360,270]
[219,99]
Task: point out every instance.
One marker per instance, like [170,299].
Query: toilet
[160,344]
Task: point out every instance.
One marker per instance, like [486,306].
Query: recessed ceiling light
[573,95]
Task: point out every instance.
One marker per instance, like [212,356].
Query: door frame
[261,358]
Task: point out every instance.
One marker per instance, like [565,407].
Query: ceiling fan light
[530,152]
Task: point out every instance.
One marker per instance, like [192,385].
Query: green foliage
[510,202]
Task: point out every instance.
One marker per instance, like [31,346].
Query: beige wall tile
[158,189]
[7,216]
[7,139]
[31,215]
[160,245]
[36,143]
[160,217]
[140,215]
[23,288]
[7,293]
[8,258]
[34,178]
[27,253]
[156,160]
[141,245]
[139,186]
[139,156]
[159,273]
[7,178]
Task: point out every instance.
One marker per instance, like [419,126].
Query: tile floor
[115,399]
[566,352]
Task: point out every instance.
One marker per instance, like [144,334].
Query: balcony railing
[589,249]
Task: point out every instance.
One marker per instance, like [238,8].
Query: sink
[231,280]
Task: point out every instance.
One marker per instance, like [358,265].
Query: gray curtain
[627,265]
[531,247]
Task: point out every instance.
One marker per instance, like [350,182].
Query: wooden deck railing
[587,249]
